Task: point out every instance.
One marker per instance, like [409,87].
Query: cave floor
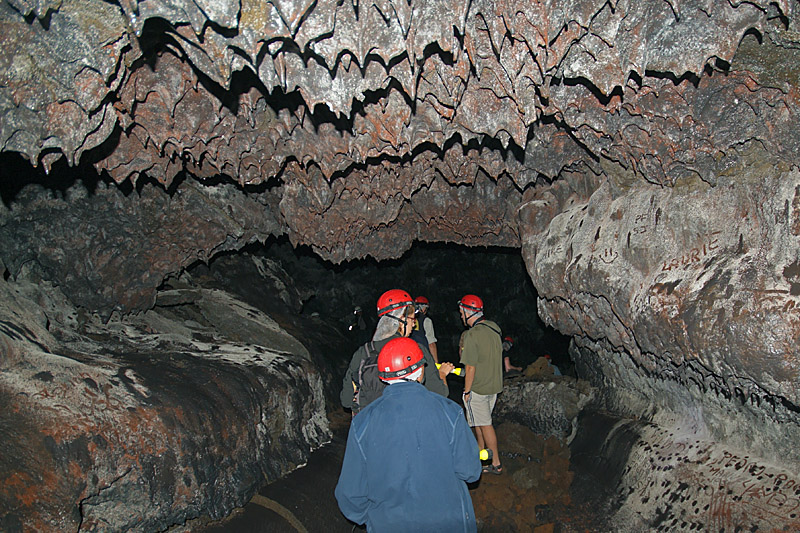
[532,494]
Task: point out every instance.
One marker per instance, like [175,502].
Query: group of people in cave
[410,450]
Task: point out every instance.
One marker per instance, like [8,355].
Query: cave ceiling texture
[641,155]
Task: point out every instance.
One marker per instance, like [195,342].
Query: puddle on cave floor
[532,494]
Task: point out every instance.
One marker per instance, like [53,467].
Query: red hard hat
[470,301]
[398,358]
[421,300]
[392,299]
[509,339]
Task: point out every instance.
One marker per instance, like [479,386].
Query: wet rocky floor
[531,495]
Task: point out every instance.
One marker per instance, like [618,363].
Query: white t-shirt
[427,325]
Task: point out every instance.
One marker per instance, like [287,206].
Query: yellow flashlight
[457,370]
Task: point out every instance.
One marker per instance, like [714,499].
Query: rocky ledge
[143,423]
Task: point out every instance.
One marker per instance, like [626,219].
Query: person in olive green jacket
[481,349]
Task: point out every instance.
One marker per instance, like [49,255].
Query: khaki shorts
[479,409]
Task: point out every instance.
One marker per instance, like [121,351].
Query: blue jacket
[408,456]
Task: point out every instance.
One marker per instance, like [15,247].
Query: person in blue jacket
[409,454]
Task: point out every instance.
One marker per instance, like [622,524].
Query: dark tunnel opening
[442,272]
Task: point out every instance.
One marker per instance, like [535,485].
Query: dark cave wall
[456,117]
[109,251]
[682,307]
[442,273]
[439,138]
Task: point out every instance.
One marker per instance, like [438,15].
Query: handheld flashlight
[457,370]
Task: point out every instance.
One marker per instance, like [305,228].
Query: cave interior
[196,195]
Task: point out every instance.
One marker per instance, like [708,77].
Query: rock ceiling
[358,128]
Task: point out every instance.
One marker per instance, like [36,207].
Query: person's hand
[445,369]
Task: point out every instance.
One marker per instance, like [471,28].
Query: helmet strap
[474,312]
[401,320]
[403,373]
[389,308]
[409,379]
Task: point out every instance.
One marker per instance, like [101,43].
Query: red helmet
[398,358]
[421,300]
[508,339]
[392,299]
[470,301]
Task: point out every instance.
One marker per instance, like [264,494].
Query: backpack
[369,386]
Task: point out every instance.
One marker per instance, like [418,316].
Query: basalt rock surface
[549,406]
[642,155]
[378,125]
[111,251]
[682,307]
[646,477]
[143,423]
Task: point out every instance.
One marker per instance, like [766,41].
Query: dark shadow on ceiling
[16,173]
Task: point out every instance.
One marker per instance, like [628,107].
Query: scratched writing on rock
[692,257]
[641,223]
[77,396]
[607,255]
[552,251]
[733,486]
[773,300]
[773,492]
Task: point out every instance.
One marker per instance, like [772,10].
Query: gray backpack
[369,386]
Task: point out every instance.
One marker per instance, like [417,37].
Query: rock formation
[641,155]
[139,425]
